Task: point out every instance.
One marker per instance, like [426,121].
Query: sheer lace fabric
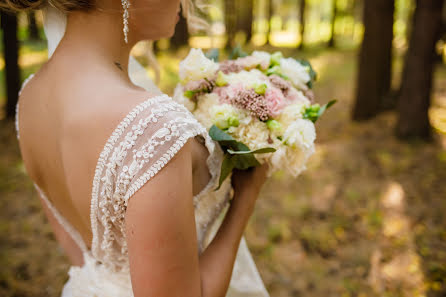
[144,142]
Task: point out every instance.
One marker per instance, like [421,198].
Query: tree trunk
[230,22]
[181,36]
[33,30]
[11,48]
[245,17]
[416,85]
[375,58]
[302,6]
[331,42]
[270,16]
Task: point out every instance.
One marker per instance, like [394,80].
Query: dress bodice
[140,146]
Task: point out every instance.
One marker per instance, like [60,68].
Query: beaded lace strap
[63,222]
[120,129]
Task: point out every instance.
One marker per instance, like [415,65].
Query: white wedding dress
[145,140]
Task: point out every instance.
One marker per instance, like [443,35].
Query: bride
[127,177]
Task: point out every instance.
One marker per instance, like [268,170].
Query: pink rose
[229,92]
[295,95]
[275,101]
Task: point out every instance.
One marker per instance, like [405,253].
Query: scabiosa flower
[194,88]
[230,66]
[280,83]
[251,101]
[202,85]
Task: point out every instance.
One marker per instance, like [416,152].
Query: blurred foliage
[366,219]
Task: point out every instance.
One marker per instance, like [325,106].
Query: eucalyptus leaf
[226,168]
[237,52]
[218,134]
[259,151]
[243,162]
[226,140]
[213,54]
[325,107]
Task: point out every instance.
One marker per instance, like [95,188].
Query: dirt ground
[366,218]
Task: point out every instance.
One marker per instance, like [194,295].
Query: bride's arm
[161,236]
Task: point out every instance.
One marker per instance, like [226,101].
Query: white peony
[179,97]
[300,133]
[291,113]
[255,134]
[263,58]
[296,72]
[292,161]
[196,66]
[224,116]
[256,59]
[249,79]
[203,110]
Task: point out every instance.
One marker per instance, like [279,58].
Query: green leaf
[213,54]
[243,162]
[218,134]
[325,107]
[226,168]
[314,112]
[237,52]
[259,151]
[189,94]
[226,140]
[237,154]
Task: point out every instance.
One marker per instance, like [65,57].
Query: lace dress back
[140,146]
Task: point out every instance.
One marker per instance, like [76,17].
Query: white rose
[249,79]
[224,116]
[297,160]
[290,160]
[257,58]
[296,72]
[203,110]
[179,97]
[196,66]
[255,134]
[300,133]
[263,59]
[291,113]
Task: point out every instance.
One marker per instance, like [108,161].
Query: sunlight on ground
[398,265]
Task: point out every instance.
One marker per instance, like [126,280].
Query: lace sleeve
[144,142]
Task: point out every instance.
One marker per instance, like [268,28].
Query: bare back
[63,129]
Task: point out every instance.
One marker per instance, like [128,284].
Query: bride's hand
[249,182]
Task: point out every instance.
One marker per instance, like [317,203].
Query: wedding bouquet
[259,107]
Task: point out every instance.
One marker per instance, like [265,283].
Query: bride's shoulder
[126,109]
[146,136]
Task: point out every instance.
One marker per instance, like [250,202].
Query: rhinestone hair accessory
[125,18]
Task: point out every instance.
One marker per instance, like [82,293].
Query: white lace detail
[142,144]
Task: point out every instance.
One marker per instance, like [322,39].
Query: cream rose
[296,72]
[301,133]
[196,66]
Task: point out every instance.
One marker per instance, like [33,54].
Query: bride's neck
[97,35]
